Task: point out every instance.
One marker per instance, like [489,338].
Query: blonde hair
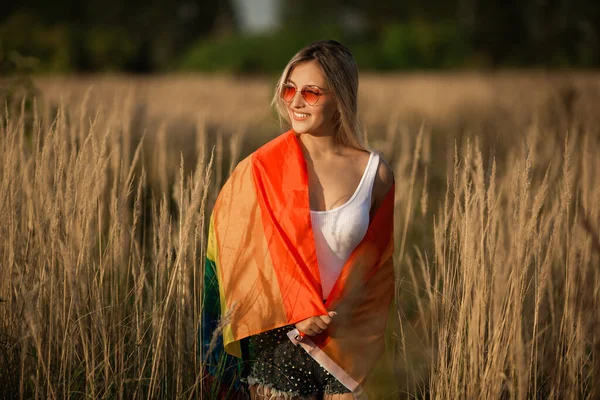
[341,74]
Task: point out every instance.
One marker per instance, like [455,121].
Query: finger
[319,323]
[332,314]
[310,332]
[325,319]
[317,329]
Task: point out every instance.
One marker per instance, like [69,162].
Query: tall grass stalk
[508,307]
[102,240]
[102,293]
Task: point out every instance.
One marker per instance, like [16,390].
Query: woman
[300,244]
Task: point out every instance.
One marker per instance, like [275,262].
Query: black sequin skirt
[287,370]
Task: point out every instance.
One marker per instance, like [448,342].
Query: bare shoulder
[385,176]
[384,180]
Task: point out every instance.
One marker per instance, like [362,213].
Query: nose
[297,101]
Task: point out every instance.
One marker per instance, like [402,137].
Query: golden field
[106,183]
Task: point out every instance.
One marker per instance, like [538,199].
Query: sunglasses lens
[311,96]
[287,93]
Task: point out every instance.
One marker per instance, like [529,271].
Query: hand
[314,325]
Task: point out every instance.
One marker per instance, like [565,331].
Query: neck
[320,145]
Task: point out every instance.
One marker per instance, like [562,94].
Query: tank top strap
[367,185]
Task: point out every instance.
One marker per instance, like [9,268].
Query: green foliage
[422,44]
[109,48]
[399,46]
[107,35]
[238,53]
[28,45]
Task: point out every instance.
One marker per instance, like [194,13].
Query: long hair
[341,74]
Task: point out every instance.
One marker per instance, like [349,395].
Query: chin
[300,128]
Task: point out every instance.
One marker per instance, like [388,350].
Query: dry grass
[104,195]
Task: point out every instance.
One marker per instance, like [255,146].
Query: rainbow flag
[261,269]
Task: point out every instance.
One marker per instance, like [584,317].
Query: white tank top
[338,231]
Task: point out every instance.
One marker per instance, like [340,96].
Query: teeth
[301,115]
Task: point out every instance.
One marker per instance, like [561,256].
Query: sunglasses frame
[301,90]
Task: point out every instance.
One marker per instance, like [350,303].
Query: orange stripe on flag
[244,263]
[282,183]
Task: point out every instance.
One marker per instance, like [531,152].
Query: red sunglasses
[310,93]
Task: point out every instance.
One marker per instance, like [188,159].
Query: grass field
[106,183]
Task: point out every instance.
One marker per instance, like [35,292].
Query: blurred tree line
[135,36]
[93,35]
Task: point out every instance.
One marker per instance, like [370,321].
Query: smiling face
[315,119]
